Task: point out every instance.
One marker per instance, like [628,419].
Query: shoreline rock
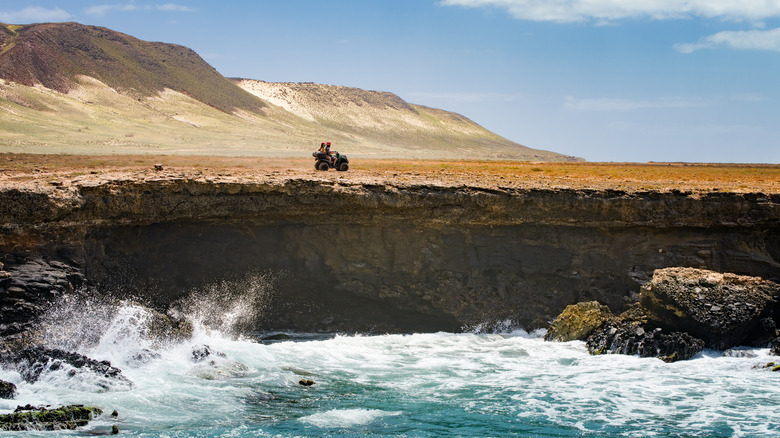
[578,321]
[7,390]
[34,418]
[680,312]
[34,361]
[724,310]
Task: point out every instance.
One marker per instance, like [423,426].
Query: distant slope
[70,88]
[54,54]
[378,117]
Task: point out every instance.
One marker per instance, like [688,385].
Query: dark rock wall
[397,277]
[350,256]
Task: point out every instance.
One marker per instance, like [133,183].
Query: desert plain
[29,170]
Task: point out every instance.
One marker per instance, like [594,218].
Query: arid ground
[26,169]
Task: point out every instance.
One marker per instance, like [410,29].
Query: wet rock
[630,333]
[770,366]
[7,389]
[763,334]
[27,286]
[143,356]
[32,362]
[215,365]
[32,418]
[632,339]
[203,352]
[723,310]
[306,382]
[578,321]
[774,347]
[163,328]
[738,353]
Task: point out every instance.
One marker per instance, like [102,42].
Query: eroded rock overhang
[386,257]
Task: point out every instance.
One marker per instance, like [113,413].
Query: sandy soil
[29,171]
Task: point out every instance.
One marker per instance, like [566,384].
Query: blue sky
[606,80]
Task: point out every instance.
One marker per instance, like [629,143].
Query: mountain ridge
[117,91]
[53,54]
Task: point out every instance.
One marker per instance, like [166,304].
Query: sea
[469,384]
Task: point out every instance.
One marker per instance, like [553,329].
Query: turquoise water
[419,385]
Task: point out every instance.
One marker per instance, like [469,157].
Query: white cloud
[740,40]
[174,7]
[620,104]
[605,11]
[750,97]
[34,14]
[106,8]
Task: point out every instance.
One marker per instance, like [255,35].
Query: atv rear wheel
[322,165]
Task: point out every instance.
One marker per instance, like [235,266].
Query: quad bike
[322,162]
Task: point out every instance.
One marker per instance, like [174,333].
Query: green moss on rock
[65,417]
[578,321]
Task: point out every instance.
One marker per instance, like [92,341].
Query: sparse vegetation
[627,177]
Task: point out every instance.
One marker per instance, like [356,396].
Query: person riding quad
[331,155]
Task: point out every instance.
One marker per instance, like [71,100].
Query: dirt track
[56,170]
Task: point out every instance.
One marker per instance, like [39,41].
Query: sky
[605,80]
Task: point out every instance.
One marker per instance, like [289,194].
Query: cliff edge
[350,252]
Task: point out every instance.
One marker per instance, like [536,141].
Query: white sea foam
[438,384]
[340,418]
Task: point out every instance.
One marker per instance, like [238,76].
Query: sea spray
[232,306]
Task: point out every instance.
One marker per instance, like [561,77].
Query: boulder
[723,310]
[32,418]
[578,321]
[774,347]
[163,328]
[7,389]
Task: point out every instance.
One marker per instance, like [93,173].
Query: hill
[55,54]
[71,88]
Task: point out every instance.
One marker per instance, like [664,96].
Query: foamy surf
[438,384]
[344,418]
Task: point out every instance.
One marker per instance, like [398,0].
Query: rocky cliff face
[350,255]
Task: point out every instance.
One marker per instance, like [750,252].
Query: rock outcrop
[680,312]
[578,321]
[724,310]
[39,418]
[33,362]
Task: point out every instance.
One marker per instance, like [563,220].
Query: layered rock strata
[350,255]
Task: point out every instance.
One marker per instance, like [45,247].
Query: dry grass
[763,178]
